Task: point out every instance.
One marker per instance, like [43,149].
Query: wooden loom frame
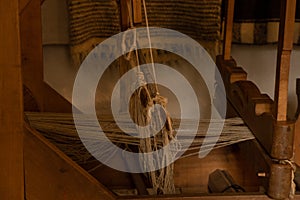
[50,174]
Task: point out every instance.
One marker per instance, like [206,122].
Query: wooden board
[11,109]
[50,174]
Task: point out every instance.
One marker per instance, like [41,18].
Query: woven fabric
[91,21]
[260,32]
[257,22]
[199,19]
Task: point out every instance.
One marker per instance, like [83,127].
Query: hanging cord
[161,180]
[140,74]
[293,185]
[150,47]
[134,47]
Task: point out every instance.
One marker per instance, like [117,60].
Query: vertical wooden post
[11,106]
[285,45]
[32,50]
[125,21]
[137,11]
[229,12]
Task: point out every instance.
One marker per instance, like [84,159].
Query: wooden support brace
[32,52]
[50,174]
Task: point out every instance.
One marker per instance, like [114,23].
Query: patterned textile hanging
[257,22]
[92,21]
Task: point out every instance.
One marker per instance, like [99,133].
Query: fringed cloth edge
[93,21]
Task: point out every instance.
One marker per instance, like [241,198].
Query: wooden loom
[50,174]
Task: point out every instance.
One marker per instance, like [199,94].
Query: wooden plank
[50,174]
[11,106]
[228,29]
[285,45]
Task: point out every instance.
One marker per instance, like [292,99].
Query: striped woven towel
[257,22]
[91,21]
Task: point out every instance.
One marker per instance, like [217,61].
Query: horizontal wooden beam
[246,196]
